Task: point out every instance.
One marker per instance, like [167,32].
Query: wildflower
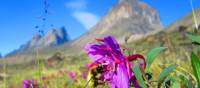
[28,84]
[116,66]
[72,75]
[84,71]
[84,75]
[32,84]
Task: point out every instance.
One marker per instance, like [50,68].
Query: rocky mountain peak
[35,39]
[63,34]
[133,8]
[128,17]
[54,37]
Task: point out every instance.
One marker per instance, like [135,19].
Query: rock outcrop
[128,17]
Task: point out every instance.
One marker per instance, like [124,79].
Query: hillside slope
[186,21]
[127,18]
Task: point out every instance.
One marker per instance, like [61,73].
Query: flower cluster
[115,67]
[28,83]
[31,84]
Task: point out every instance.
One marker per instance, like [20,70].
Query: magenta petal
[96,51]
[27,83]
[120,78]
[111,42]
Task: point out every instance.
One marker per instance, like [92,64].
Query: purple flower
[72,75]
[32,84]
[116,65]
[28,83]
[84,75]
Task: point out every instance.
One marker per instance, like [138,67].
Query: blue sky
[18,18]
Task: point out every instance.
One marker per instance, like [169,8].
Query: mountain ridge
[128,17]
[136,45]
[52,38]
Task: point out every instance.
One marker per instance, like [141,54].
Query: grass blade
[138,75]
[189,82]
[165,73]
[152,55]
[194,38]
[196,66]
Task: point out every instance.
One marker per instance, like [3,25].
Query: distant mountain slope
[186,21]
[128,17]
[52,38]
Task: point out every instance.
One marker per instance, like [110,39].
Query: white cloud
[76,4]
[87,19]
[79,12]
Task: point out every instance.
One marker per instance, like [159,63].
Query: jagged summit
[128,17]
[52,38]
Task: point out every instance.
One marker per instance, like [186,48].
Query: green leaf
[196,66]
[176,84]
[165,73]
[189,82]
[152,55]
[138,75]
[194,38]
